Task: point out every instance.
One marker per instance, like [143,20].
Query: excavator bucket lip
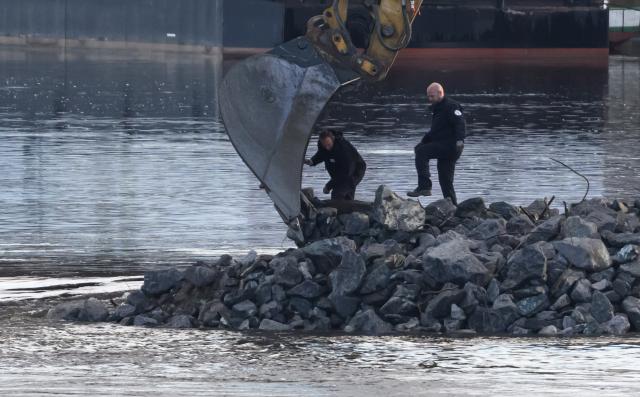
[269,105]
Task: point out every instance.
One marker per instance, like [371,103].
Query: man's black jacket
[447,125]
[343,162]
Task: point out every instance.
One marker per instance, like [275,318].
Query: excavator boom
[270,102]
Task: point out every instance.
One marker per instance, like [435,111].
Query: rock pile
[401,267]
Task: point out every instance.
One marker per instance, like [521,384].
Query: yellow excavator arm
[391,32]
[270,102]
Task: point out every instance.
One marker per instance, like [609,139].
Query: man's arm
[316,159]
[459,125]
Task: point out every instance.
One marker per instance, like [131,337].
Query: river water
[111,165]
[111,360]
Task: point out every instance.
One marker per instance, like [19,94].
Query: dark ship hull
[445,28]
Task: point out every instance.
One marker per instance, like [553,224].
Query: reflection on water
[113,165]
[112,360]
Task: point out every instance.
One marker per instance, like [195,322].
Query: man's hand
[308,162]
[327,189]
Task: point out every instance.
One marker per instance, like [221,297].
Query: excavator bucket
[269,104]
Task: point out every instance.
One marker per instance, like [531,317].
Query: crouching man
[343,163]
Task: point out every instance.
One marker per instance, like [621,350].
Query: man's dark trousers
[447,157]
[346,189]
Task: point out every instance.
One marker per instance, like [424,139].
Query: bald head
[435,93]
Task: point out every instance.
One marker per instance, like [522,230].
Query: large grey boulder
[453,262]
[89,310]
[474,296]
[627,223]
[631,306]
[619,240]
[604,220]
[140,301]
[355,223]
[539,208]
[249,258]
[626,254]
[396,213]
[528,263]
[618,325]
[263,293]
[200,276]
[532,305]
[623,284]
[123,310]
[601,285]
[546,231]
[601,307]
[565,281]
[180,321]
[489,229]
[439,211]
[597,204]
[211,312]
[273,326]
[157,282]
[376,250]
[348,276]
[93,311]
[493,290]
[397,306]
[495,319]
[584,253]
[632,268]
[549,330]
[440,305]
[331,246]
[344,305]
[473,207]
[142,320]
[286,271]
[520,225]
[560,303]
[504,301]
[575,226]
[308,289]
[377,279]
[368,322]
[245,309]
[581,291]
[504,209]
[327,253]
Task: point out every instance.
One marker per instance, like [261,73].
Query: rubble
[399,267]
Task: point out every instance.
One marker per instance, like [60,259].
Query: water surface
[113,164]
[111,360]
[110,165]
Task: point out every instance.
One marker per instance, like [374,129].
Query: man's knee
[422,151]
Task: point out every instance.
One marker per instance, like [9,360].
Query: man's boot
[417,192]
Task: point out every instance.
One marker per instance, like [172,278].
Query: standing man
[444,142]
[343,162]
